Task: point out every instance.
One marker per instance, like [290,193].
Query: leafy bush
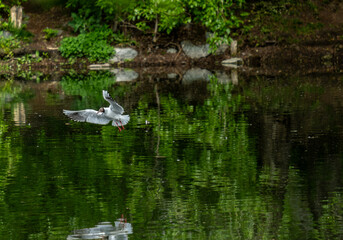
[86,15]
[18,33]
[218,16]
[50,33]
[93,45]
[8,44]
[30,58]
[85,21]
[167,15]
[116,11]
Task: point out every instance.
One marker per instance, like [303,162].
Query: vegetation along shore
[60,35]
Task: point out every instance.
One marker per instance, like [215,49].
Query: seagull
[103,116]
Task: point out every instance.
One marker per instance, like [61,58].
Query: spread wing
[87,115]
[115,107]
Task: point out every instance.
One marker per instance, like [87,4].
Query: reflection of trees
[204,145]
[330,222]
[295,119]
[10,154]
[191,173]
[88,87]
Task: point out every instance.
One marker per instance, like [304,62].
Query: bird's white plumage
[114,106]
[103,116]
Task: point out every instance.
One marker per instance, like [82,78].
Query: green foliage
[30,58]
[93,45]
[218,16]
[91,15]
[168,14]
[330,222]
[16,2]
[87,85]
[116,9]
[36,76]
[85,21]
[87,15]
[8,45]
[282,21]
[122,38]
[3,7]
[18,33]
[50,33]
[309,28]
[199,170]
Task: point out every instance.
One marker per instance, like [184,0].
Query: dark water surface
[200,159]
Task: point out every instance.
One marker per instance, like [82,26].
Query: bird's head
[101,110]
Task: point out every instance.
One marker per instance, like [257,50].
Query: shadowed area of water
[218,156]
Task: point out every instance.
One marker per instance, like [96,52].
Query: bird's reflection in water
[105,230]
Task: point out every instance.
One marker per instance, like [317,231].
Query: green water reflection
[258,160]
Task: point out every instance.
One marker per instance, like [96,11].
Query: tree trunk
[155,30]
[115,25]
[17,16]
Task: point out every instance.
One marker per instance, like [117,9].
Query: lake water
[220,156]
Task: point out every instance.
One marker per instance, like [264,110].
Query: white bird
[103,116]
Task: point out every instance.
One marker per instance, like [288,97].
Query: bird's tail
[124,119]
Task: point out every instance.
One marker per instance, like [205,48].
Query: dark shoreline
[274,60]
